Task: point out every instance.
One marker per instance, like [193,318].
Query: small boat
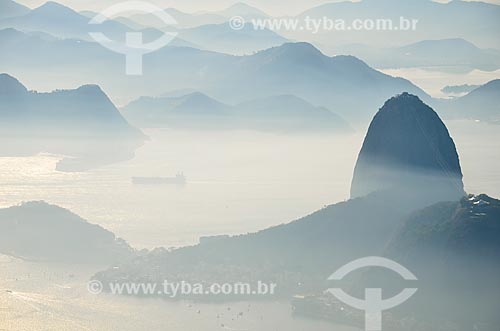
[179,179]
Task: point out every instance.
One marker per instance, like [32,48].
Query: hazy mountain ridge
[472,21]
[457,228]
[288,111]
[9,8]
[85,109]
[482,103]
[459,89]
[63,22]
[82,123]
[434,54]
[197,110]
[51,16]
[184,20]
[315,77]
[222,38]
[192,20]
[291,69]
[43,232]
[243,10]
[454,248]
[59,21]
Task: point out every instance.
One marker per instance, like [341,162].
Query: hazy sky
[276,7]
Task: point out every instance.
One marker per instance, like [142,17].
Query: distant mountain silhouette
[198,103]
[483,103]
[459,89]
[52,18]
[408,147]
[63,22]
[43,232]
[289,112]
[184,20]
[243,10]
[82,123]
[293,53]
[9,86]
[302,70]
[197,110]
[441,54]
[204,30]
[435,21]
[198,19]
[123,20]
[193,110]
[194,103]
[222,38]
[85,110]
[291,69]
[9,8]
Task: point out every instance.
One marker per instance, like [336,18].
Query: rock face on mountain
[408,148]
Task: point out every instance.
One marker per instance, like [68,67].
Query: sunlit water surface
[237,182]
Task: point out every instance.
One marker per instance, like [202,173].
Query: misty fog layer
[241,173]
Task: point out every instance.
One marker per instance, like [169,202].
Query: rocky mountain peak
[408,148]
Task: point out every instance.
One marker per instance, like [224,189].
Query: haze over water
[237,181]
